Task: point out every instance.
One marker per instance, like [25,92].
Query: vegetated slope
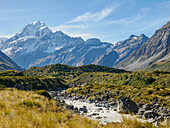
[157,48]
[139,86]
[7,64]
[163,66]
[61,68]
[13,78]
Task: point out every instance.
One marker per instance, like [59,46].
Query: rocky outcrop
[125,105]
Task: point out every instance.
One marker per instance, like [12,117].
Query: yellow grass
[23,109]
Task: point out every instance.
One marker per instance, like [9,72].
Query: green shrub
[44,93]
[28,103]
[150,92]
[2,86]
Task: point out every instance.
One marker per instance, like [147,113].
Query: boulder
[141,111]
[71,107]
[53,93]
[125,105]
[150,114]
[76,110]
[147,107]
[75,98]
[84,109]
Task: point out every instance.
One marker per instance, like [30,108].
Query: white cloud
[5,36]
[88,16]
[62,27]
[83,35]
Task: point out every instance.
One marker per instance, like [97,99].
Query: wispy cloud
[130,20]
[61,27]
[83,35]
[5,36]
[88,16]
[13,11]
[165,4]
[154,23]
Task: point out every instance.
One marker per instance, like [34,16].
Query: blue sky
[108,20]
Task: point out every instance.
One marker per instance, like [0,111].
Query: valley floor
[25,109]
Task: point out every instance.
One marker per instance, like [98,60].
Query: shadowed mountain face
[7,64]
[37,45]
[121,50]
[156,49]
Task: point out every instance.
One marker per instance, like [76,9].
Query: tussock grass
[22,109]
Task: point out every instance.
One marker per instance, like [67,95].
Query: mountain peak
[37,22]
[93,41]
[36,28]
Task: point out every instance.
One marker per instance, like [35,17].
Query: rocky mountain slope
[7,64]
[156,49]
[163,66]
[121,50]
[37,45]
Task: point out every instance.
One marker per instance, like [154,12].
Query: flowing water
[101,114]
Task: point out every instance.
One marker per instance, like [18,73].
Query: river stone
[125,105]
[83,109]
[53,93]
[150,114]
[147,107]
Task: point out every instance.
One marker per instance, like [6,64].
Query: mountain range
[37,45]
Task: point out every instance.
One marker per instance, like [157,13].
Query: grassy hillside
[22,109]
[60,69]
[11,78]
[138,86]
[164,66]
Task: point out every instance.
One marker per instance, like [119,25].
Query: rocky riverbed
[106,112]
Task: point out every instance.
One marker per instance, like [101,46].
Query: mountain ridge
[156,48]
[7,64]
[37,45]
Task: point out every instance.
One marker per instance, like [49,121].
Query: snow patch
[71,49]
[97,47]
[58,48]
[135,38]
[8,51]
[111,47]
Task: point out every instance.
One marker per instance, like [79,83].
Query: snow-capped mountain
[37,45]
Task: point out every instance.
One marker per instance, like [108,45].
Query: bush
[44,93]
[2,86]
[30,104]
